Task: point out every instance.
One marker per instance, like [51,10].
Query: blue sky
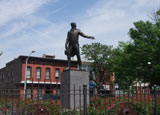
[42,25]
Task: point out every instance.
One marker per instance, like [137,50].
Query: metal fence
[49,99]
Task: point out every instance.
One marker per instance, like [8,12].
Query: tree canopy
[99,54]
[130,59]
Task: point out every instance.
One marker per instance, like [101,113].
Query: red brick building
[43,75]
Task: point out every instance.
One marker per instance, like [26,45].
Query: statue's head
[73,24]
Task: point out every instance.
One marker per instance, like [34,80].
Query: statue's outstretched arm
[85,36]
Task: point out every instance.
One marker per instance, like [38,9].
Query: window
[29,93]
[12,73]
[39,93]
[47,73]
[2,76]
[106,87]
[38,72]
[28,75]
[57,74]
[8,74]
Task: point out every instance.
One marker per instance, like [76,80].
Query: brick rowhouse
[43,75]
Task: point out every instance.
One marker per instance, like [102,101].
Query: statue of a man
[72,44]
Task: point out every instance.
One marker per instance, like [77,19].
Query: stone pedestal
[72,82]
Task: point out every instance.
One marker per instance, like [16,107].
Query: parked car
[105,93]
[50,97]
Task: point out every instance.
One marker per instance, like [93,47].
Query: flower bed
[114,105]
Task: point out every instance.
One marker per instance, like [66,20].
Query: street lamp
[149,63]
[25,81]
[149,66]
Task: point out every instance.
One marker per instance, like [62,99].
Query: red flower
[52,101]
[27,101]
[59,102]
[108,107]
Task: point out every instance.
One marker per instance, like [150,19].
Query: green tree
[99,54]
[123,63]
[130,59]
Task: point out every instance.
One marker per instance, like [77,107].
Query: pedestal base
[72,82]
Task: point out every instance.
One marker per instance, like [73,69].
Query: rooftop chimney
[48,56]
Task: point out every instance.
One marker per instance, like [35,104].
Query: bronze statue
[72,44]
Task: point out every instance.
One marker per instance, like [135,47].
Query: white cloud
[13,29]
[114,18]
[12,9]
